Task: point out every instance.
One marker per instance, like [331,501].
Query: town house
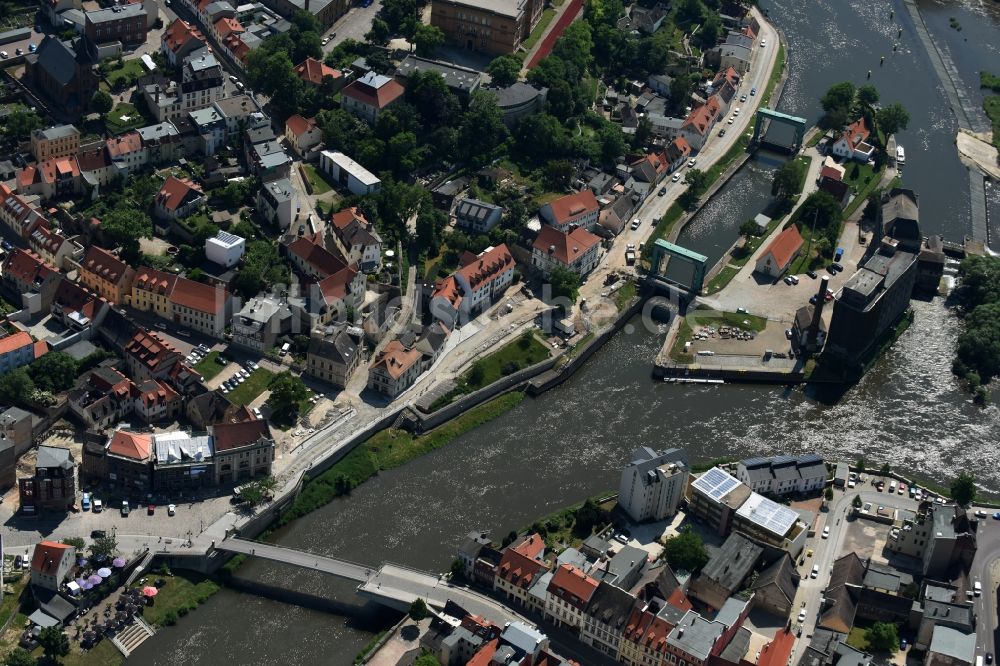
[107,275]
[243,450]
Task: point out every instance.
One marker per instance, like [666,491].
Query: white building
[783,475]
[348,173]
[478,284]
[578,250]
[652,483]
[277,202]
[225,249]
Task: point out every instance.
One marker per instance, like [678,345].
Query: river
[570,442]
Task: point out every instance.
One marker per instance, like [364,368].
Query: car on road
[788,334]
[838,265]
[171,509]
[791,279]
[977,589]
[692,162]
[85,502]
[125,509]
[832,269]
[989,657]
[621,538]
[151,509]
[635,224]
[828,296]
[6,246]
[826,532]
[4,55]
[663,191]
[743,98]
[731,120]
[32,47]
[722,132]
[753,91]
[675,178]
[326,40]
[812,274]
[979,513]
[802,615]
[763,43]
[233,78]
[815,571]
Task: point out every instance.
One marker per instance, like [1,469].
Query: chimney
[157,93]
[824,284]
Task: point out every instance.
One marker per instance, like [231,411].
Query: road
[986,569]
[655,207]
[352,25]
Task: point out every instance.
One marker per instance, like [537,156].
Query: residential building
[302,134]
[162,142]
[951,647]
[780,253]
[831,181]
[53,485]
[243,451]
[469,551]
[16,427]
[357,239]
[580,210]
[677,153]
[736,52]
[724,573]
[202,83]
[55,178]
[940,536]
[333,356]
[156,401]
[210,127]
[568,595]
[578,250]
[475,286]
[182,461]
[368,96]
[348,174]
[148,356]
[51,564]
[237,111]
[268,160]
[126,152]
[462,81]
[106,275]
[698,124]
[63,72]
[78,308]
[179,40]
[199,306]
[118,23]
[946,611]
[225,249]
[17,214]
[102,398]
[624,568]
[520,564]
[605,618]
[151,291]
[774,588]
[28,277]
[477,216]
[872,301]
[278,203]
[129,461]
[314,72]
[16,350]
[652,483]
[260,322]
[58,141]
[326,11]
[394,369]
[783,475]
[496,28]
[853,144]
[177,198]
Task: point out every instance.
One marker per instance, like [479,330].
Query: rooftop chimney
[824,285]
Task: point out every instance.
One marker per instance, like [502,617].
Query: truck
[630,257]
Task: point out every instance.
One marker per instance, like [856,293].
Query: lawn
[124,117]
[102,654]
[810,259]
[522,353]
[316,180]
[992,107]
[866,185]
[624,295]
[721,279]
[856,639]
[539,30]
[706,317]
[779,66]
[859,176]
[246,392]
[125,75]
[178,596]
[208,366]
[743,254]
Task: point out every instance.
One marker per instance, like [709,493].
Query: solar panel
[768,514]
[715,483]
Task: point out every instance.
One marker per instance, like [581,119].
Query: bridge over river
[390,585]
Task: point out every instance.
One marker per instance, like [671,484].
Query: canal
[570,442]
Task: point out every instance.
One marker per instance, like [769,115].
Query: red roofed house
[179,40]
[15,212]
[156,401]
[356,238]
[853,142]
[106,274]
[102,398]
[205,308]
[568,594]
[779,254]
[242,450]
[302,134]
[339,284]
[580,209]
[129,461]
[578,250]
[147,356]
[394,369]
[77,307]
[678,151]
[370,95]
[519,566]
[16,350]
[52,246]
[127,152]
[236,47]
[777,652]
[57,177]
[29,280]
[474,287]
[699,123]
[831,181]
[177,198]
[51,564]
[313,71]
[151,291]
[226,26]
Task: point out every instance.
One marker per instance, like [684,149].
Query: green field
[721,279]
[124,117]
[522,353]
[178,596]
[539,30]
[125,75]
[317,182]
[992,107]
[246,392]
[779,66]
[208,366]
[625,295]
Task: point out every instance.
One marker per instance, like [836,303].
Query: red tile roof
[484,656]
[228,436]
[123,144]
[572,206]
[395,359]
[199,296]
[103,264]
[176,192]
[784,247]
[312,71]
[565,248]
[180,33]
[856,133]
[380,97]
[299,125]
[228,26]
[343,218]
[481,270]
[76,298]
[28,267]
[517,569]
[830,172]
[47,240]
[679,600]
[150,350]
[152,393]
[335,287]
[448,290]
[48,555]
[533,546]
[572,585]
[237,46]
[776,652]
[312,252]
[14,341]
[41,348]
[701,118]
[131,445]
[638,622]
[150,279]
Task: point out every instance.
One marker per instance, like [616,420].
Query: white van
[98,505]
[892,487]
[977,588]
[284,348]
[815,571]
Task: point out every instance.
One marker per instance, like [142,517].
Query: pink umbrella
[118,562]
[88,585]
[150,591]
[94,579]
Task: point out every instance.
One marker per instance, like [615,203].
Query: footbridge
[391,585]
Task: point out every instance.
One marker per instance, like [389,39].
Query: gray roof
[627,560]
[510,8]
[849,656]
[941,593]
[781,574]
[954,643]
[462,79]
[731,610]
[695,635]
[13,415]
[58,59]
[516,94]
[596,543]
[157,132]
[280,190]
[206,116]
[236,106]
[53,603]
[340,346]
[733,562]
[571,556]
[737,647]
[882,580]
[645,459]
[474,209]
[461,635]
[951,614]
[52,456]
[115,13]
[57,132]
[610,605]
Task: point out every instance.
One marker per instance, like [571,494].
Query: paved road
[352,25]
[986,569]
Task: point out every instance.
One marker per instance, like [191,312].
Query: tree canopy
[883,637]
[287,391]
[685,551]
[123,227]
[565,283]
[54,642]
[963,489]
[55,371]
[427,39]
[892,118]
[504,70]
[838,103]
[788,179]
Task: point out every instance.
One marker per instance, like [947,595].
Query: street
[352,25]
[986,569]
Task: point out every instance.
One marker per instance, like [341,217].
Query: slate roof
[733,562]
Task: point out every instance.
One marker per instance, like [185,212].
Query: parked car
[125,509]
[675,178]
[171,509]
[837,265]
[743,98]
[753,91]
[256,412]
[151,509]
[989,657]
[6,246]
[326,40]
[722,132]
[826,532]
[98,505]
[692,162]
[763,43]
[802,615]
[815,571]
[663,191]
[902,644]
[98,534]
[980,513]
[811,273]
[788,333]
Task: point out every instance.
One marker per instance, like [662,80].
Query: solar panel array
[227,238]
[715,483]
[768,514]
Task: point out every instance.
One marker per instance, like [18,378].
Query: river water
[569,443]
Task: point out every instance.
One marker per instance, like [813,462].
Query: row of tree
[977,353]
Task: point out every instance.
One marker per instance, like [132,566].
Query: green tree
[886,469]
[123,227]
[477,373]
[104,547]
[963,489]
[101,103]
[868,96]
[823,210]
[892,118]
[427,39]
[558,174]
[427,659]
[504,70]
[55,371]
[860,465]
[685,551]
[20,124]
[20,657]
[565,283]
[540,137]
[482,130]
[978,347]
[828,493]
[837,102]
[418,610]
[749,228]
[54,642]
[576,45]
[379,32]
[16,386]
[883,637]
[76,542]
[856,502]
[457,569]
[980,281]
[287,391]
[787,181]
[272,73]
[612,143]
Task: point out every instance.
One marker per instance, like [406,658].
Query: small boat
[900,155]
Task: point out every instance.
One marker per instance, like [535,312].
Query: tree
[20,124]
[427,39]
[477,373]
[418,610]
[856,502]
[787,181]
[457,569]
[963,489]
[828,493]
[978,347]
[685,551]
[868,95]
[427,659]
[20,657]
[272,73]
[54,642]
[565,283]
[101,103]
[379,33]
[883,637]
[287,391]
[820,207]
[892,118]
[612,143]
[541,137]
[557,174]
[55,371]
[123,227]
[16,386]
[76,542]
[885,469]
[860,465]
[749,228]
[837,103]
[504,70]
[482,129]
[104,547]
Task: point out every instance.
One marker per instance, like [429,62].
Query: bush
[170,618]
